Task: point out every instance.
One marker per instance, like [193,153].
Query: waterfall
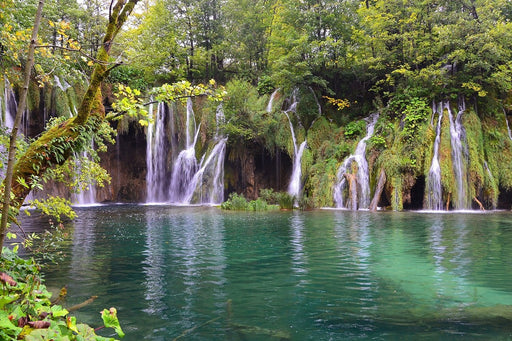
[459,158]
[87,196]
[208,181]
[188,181]
[508,126]
[9,106]
[156,156]
[185,166]
[434,200]
[294,186]
[271,100]
[363,175]
[207,184]
[491,178]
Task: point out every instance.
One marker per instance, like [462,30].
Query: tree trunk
[17,121]
[56,145]
[378,190]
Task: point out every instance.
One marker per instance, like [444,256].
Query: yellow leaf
[90,63]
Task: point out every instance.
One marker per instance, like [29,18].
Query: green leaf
[110,320]
[58,311]
[7,299]
[7,325]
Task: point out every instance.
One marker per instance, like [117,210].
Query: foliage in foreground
[27,313]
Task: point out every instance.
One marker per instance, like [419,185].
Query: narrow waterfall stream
[460,158]
[295,185]
[156,174]
[360,197]
[434,195]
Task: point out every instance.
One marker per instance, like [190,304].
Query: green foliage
[416,112]
[129,76]
[354,129]
[46,246]
[55,207]
[237,202]
[285,200]
[25,303]
[268,195]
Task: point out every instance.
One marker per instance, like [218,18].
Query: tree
[57,144]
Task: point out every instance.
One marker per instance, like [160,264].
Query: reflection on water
[291,275]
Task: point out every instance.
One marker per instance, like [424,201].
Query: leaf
[4,299]
[39,324]
[58,311]
[110,320]
[5,278]
[6,324]
[71,323]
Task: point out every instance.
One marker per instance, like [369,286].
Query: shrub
[285,200]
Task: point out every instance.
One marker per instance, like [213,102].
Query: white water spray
[459,158]
[363,175]
[295,185]
[434,195]
[156,155]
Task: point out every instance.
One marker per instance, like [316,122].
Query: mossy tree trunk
[17,120]
[56,145]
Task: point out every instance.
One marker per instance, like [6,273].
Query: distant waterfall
[295,180]
[88,195]
[156,155]
[271,100]
[9,106]
[508,126]
[434,195]
[362,176]
[460,158]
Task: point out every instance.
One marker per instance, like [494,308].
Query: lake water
[207,274]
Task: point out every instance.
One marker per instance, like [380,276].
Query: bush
[237,202]
[285,201]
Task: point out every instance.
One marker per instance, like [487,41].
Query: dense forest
[359,104]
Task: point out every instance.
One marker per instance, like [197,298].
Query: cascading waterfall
[271,100]
[208,182]
[434,195]
[460,158]
[185,166]
[9,106]
[156,156]
[187,181]
[508,126]
[87,196]
[207,185]
[362,177]
[295,180]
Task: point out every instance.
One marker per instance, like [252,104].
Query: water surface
[323,275]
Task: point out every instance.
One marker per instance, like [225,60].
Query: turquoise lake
[199,273]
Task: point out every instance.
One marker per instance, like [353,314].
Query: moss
[445,159]
[319,187]
[396,194]
[474,139]
[498,149]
